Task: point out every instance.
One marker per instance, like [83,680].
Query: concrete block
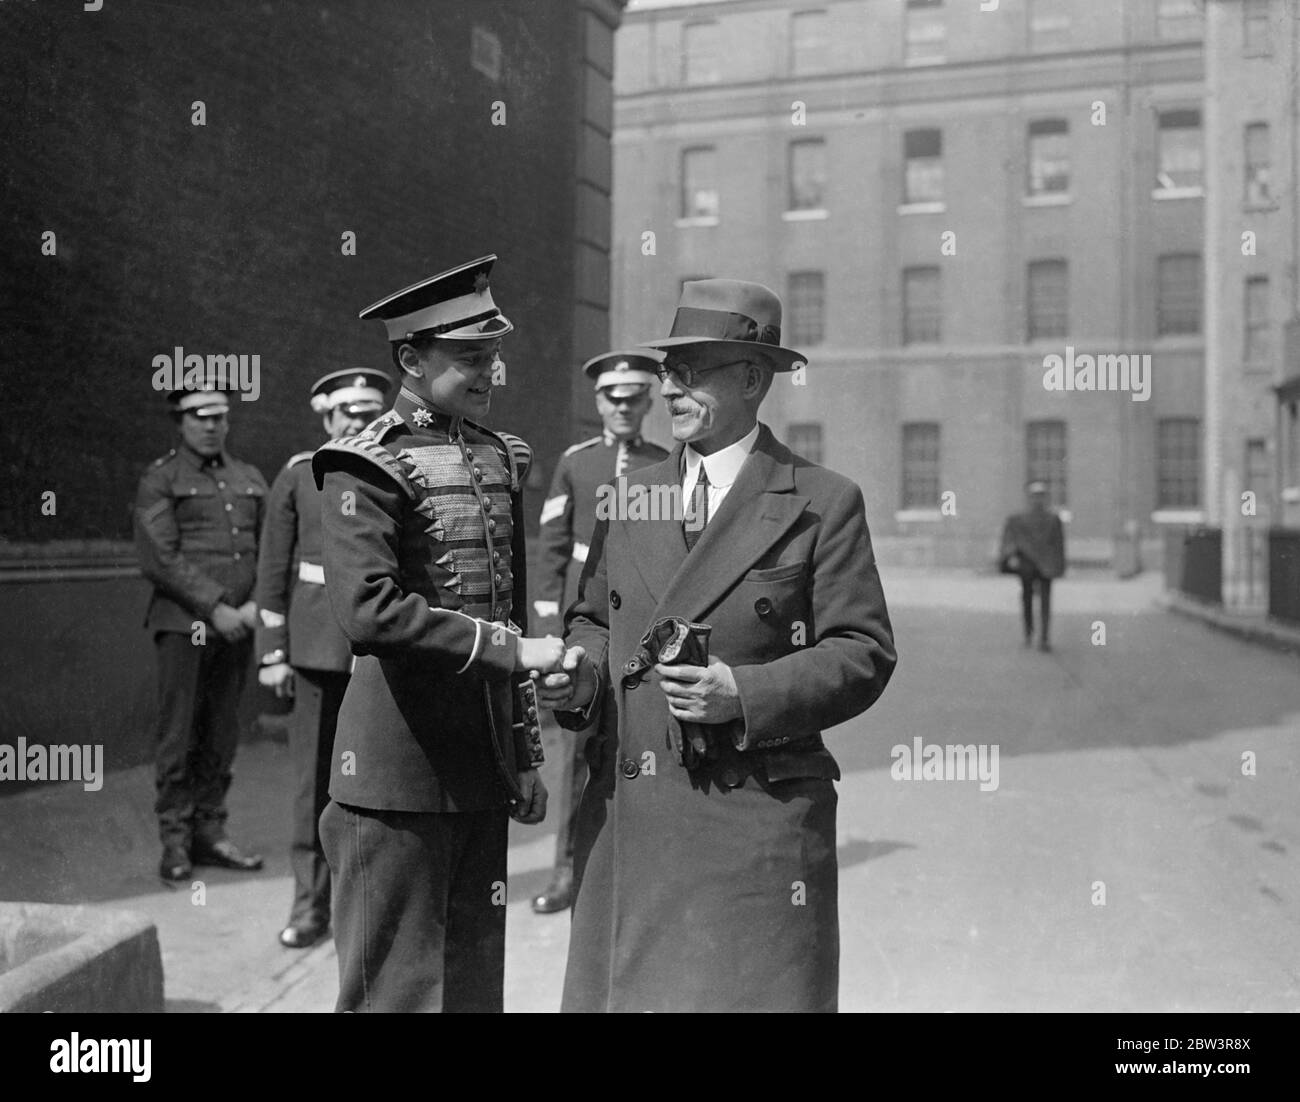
[78,960]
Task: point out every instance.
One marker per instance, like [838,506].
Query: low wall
[78,960]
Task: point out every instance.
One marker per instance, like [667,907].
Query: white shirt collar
[723,466]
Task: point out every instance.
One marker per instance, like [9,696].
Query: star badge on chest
[422,417]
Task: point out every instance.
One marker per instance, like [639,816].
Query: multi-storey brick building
[1252,223]
[944,196]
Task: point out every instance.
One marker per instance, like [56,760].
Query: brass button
[630,769]
[763,606]
[487,505]
[496,556]
[221,485]
[496,578]
[492,525]
[236,554]
[478,473]
[234,531]
[731,778]
[614,599]
[228,506]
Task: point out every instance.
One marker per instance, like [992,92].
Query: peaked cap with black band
[733,316]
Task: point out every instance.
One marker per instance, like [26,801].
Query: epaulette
[367,444]
[517,453]
[585,444]
[163,459]
[294,460]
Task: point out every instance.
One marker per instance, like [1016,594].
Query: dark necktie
[698,517]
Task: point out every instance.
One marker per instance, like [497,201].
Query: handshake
[565,679]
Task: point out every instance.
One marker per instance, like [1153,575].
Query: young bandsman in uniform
[424,568]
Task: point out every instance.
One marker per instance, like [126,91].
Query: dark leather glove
[675,642]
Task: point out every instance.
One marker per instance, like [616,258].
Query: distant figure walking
[1033,546]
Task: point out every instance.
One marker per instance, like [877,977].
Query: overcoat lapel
[758,510]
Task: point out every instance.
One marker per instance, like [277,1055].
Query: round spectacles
[688,375]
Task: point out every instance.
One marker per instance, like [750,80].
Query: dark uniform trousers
[198,730]
[318,695]
[443,900]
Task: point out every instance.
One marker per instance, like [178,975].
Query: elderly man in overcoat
[707,876]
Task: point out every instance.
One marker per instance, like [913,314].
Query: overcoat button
[763,606]
[630,769]
[614,599]
[731,778]
[492,525]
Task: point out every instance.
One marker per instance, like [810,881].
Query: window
[1178,294]
[808,42]
[925,34]
[923,166]
[1178,463]
[1259,471]
[1255,36]
[1179,19]
[1179,153]
[806,439]
[1049,157]
[1045,458]
[922,310]
[807,174]
[699,183]
[1258,349]
[1259,157]
[1049,24]
[1047,305]
[805,293]
[485,52]
[921,465]
[700,53]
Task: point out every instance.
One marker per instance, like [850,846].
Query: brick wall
[321,118]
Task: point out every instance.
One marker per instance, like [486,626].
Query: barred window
[1258,334]
[1255,37]
[1045,458]
[699,183]
[700,53]
[1178,294]
[925,35]
[807,42]
[1179,153]
[805,438]
[923,166]
[1049,24]
[921,465]
[1047,305]
[805,298]
[1259,164]
[1049,156]
[1180,19]
[807,174]
[922,309]
[1178,463]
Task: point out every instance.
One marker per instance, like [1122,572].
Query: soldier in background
[622,381]
[197,515]
[303,653]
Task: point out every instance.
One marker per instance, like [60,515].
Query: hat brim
[623,390]
[776,357]
[488,330]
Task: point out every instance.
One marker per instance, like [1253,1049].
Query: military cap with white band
[626,373]
[201,403]
[454,305]
[354,389]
